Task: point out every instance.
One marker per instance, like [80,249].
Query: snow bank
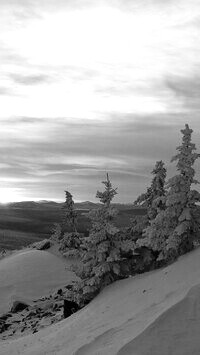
[30,274]
[152,313]
[175,332]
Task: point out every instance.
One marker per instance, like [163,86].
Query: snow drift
[154,313]
[30,274]
[175,332]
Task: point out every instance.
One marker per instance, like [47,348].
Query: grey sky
[89,87]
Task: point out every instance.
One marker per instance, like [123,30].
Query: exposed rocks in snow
[70,307]
[18,306]
[24,319]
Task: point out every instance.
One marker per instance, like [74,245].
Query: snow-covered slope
[157,313]
[175,332]
[30,274]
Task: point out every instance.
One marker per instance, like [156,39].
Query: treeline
[170,228]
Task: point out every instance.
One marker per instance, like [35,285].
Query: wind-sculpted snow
[175,332]
[30,274]
[124,318]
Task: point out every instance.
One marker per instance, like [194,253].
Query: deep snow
[150,314]
[29,274]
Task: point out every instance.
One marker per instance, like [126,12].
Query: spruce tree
[69,214]
[106,196]
[101,258]
[153,198]
[176,228]
[70,242]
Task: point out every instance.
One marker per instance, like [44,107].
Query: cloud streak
[29,79]
[77,154]
[186,90]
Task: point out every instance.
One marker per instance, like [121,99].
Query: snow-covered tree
[70,242]
[176,228]
[152,199]
[69,214]
[106,196]
[101,257]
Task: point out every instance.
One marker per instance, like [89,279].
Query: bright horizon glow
[9,195]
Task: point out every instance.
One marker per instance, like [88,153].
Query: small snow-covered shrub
[70,245]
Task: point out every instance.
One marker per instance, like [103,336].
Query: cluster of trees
[170,228]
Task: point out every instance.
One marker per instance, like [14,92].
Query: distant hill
[85,205]
[44,204]
[34,204]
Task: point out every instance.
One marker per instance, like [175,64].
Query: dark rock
[5,317]
[30,315]
[60,292]
[70,307]
[55,307]
[18,306]
[34,324]
[47,314]
[9,314]
[4,327]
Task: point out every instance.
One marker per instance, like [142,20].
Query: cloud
[29,79]
[77,153]
[110,67]
[21,10]
[24,120]
[120,137]
[4,91]
[29,8]
[10,55]
[120,92]
[186,87]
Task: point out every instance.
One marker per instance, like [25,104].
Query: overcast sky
[89,87]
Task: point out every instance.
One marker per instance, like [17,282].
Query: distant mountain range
[86,205]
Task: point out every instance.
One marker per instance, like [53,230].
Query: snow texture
[154,313]
[27,275]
